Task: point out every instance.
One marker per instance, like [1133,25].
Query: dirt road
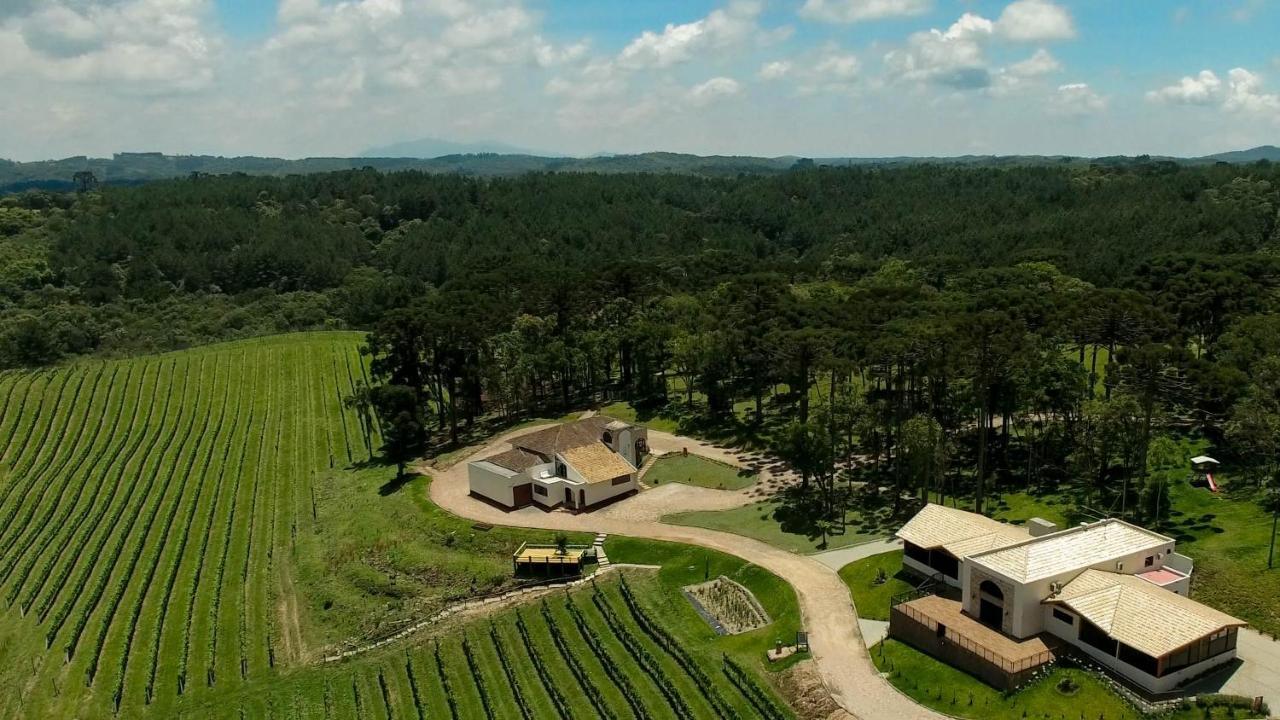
[828,613]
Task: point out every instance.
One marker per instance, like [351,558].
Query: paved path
[836,559]
[1258,674]
[827,611]
[873,631]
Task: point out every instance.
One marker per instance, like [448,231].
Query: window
[1151,560]
[608,437]
[1095,637]
[1139,660]
[621,480]
[540,490]
[1065,617]
[915,552]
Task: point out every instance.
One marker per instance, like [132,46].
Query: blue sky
[772,77]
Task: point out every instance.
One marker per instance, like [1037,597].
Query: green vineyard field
[186,535]
[145,508]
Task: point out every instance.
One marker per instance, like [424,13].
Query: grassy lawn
[759,521]
[401,556]
[699,471]
[1227,534]
[939,686]
[627,412]
[869,597]
[687,565]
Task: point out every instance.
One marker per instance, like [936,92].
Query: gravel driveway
[828,612]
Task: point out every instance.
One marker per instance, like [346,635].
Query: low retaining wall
[472,604]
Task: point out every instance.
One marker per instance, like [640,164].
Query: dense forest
[965,327]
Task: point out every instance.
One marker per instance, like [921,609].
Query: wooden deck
[1011,651]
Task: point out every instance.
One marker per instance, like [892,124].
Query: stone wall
[976,578]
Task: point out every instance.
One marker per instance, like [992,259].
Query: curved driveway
[825,606]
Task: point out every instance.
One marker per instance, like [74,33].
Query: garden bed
[727,606]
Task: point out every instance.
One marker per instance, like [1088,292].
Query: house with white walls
[1113,591]
[579,466]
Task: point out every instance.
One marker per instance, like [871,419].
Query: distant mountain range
[1264,152]
[428,148]
[134,168]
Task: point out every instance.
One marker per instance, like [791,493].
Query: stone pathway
[1258,675]
[836,559]
[873,631]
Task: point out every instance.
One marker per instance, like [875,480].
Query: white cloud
[717,88]
[1024,74]
[774,70]
[1244,94]
[1203,89]
[1077,99]
[723,27]
[1041,63]
[852,11]
[954,57]
[149,47]
[1035,21]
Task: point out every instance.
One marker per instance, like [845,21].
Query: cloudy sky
[294,78]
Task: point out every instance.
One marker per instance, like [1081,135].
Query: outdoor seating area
[550,560]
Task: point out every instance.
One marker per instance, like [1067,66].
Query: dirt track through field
[828,613]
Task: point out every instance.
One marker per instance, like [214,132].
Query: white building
[578,465]
[1115,591]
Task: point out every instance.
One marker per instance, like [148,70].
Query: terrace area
[937,626]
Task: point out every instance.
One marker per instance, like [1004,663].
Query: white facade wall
[1168,683]
[1028,619]
[602,491]
[494,482]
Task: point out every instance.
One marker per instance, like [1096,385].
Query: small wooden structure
[549,560]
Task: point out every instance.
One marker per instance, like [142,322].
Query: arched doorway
[991,605]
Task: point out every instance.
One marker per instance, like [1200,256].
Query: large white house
[578,465]
[1113,590]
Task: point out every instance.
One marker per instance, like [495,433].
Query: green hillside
[191,533]
[147,508]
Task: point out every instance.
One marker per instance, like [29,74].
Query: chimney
[1039,527]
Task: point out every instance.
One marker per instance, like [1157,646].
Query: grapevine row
[477,678]
[621,681]
[672,647]
[544,675]
[512,680]
[575,666]
[228,531]
[139,549]
[95,595]
[26,527]
[754,694]
[79,541]
[198,568]
[37,528]
[647,662]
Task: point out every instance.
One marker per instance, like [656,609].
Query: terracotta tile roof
[958,532]
[1072,549]
[552,440]
[597,462]
[515,460]
[1139,614]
